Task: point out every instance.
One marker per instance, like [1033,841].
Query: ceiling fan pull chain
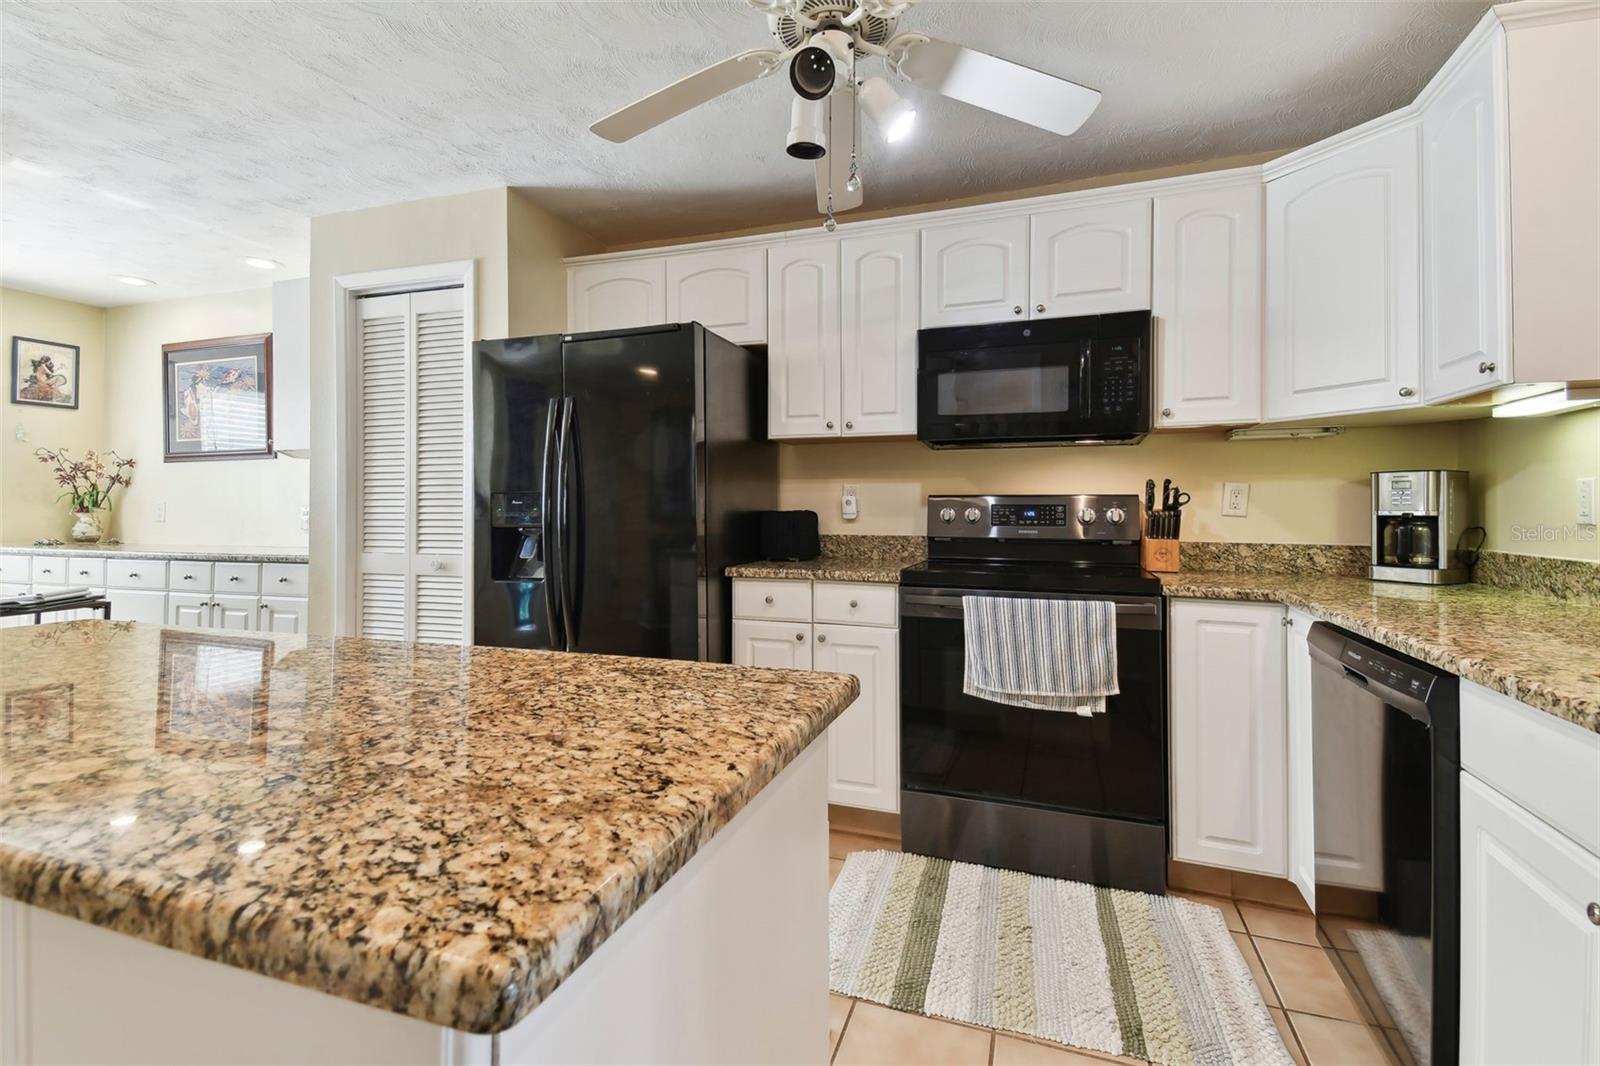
[853,183]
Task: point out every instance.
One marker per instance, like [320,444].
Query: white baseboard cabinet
[835,627]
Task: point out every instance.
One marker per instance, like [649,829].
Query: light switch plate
[161,512]
[1586,501]
[305,519]
[847,504]
[1235,499]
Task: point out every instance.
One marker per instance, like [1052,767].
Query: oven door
[1107,765]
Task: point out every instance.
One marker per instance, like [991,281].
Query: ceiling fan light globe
[808,136]
[890,112]
[900,127]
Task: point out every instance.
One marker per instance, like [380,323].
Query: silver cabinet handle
[1017,310]
[1593,911]
[83,573]
[800,638]
[1039,307]
[849,425]
[235,577]
[853,604]
[769,601]
[283,581]
[188,577]
[263,607]
[45,570]
[1486,367]
[1407,390]
[133,573]
[822,638]
[1166,412]
[830,425]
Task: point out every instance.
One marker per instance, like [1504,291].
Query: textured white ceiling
[169,140]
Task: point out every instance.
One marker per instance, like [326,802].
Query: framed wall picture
[44,373]
[218,398]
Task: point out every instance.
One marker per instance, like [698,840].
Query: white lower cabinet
[138,605]
[1228,735]
[188,608]
[1530,936]
[234,612]
[281,615]
[864,741]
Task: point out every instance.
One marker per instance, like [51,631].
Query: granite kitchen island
[239,848]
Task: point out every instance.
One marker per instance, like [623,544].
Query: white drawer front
[186,576]
[239,578]
[85,571]
[14,569]
[852,604]
[285,579]
[1549,766]
[50,570]
[136,573]
[787,601]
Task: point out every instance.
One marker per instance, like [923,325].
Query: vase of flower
[89,483]
[86,527]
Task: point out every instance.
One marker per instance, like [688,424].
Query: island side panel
[727,963]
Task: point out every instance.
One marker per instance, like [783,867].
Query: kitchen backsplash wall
[28,505]
[1524,478]
[1301,491]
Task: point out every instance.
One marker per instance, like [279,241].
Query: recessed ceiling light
[260,263]
[132,279]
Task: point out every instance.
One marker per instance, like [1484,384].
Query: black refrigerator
[616,475]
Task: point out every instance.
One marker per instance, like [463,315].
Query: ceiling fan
[821,42]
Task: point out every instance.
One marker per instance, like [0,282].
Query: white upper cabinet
[975,272]
[1343,280]
[725,290]
[1206,299]
[616,295]
[1466,292]
[803,339]
[1089,260]
[878,334]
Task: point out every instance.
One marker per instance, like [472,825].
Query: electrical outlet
[161,512]
[1235,499]
[305,519]
[847,504]
[1586,501]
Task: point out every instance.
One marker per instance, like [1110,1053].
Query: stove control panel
[1098,517]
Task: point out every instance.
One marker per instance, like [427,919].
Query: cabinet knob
[822,638]
[1166,412]
[263,607]
[188,577]
[235,577]
[1486,367]
[849,425]
[830,425]
[133,573]
[800,638]
[1407,390]
[1017,310]
[281,580]
[853,605]
[1593,911]
[769,601]
[83,573]
[1039,307]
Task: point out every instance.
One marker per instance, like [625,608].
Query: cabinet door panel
[864,742]
[1090,260]
[1206,298]
[187,609]
[878,335]
[1530,956]
[1343,282]
[1301,832]
[234,612]
[282,616]
[725,291]
[1229,797]
[779,645]
[1466,230]
[128,605]
[803,339]
[975,272]
[632,292]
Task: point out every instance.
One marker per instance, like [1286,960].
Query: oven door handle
[1141,614]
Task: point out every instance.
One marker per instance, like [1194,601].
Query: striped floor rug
[1126,973]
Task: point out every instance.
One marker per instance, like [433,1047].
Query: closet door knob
[1407,390]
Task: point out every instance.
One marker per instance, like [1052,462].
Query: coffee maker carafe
[1417,517]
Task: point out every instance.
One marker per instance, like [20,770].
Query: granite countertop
[438,831]
[199,553]
[873,558]
[1537,648]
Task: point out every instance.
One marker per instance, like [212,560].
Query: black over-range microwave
[1082,380]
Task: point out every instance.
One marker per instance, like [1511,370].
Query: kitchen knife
[1166,492]
[1149,495]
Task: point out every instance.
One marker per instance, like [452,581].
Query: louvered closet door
[412,467]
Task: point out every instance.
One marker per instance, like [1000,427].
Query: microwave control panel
[1117,377]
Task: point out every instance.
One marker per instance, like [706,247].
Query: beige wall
[1524,474]
[1313,491]
[521,289]
[28,505]
[240,502]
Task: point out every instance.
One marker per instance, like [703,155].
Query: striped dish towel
[1052,655]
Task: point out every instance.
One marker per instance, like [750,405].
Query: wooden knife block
[1158,556]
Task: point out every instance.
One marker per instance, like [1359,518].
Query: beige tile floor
[1312,980]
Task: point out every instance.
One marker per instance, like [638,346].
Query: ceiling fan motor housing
[790,34]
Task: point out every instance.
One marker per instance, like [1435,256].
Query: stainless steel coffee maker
[1418,517]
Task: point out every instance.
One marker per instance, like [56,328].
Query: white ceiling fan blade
[686,94]
[841,137]
[999,85]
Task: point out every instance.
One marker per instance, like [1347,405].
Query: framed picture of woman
[218,398]
[44,372]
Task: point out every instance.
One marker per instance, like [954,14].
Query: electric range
[1046,792]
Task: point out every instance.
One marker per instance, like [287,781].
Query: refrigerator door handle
[572,550]
[563,508]
[550,529]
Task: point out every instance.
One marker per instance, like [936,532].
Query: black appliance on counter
[1081,380]
[616,475]
[1386,787]
[1047,792]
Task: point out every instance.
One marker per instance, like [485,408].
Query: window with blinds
[412,467]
